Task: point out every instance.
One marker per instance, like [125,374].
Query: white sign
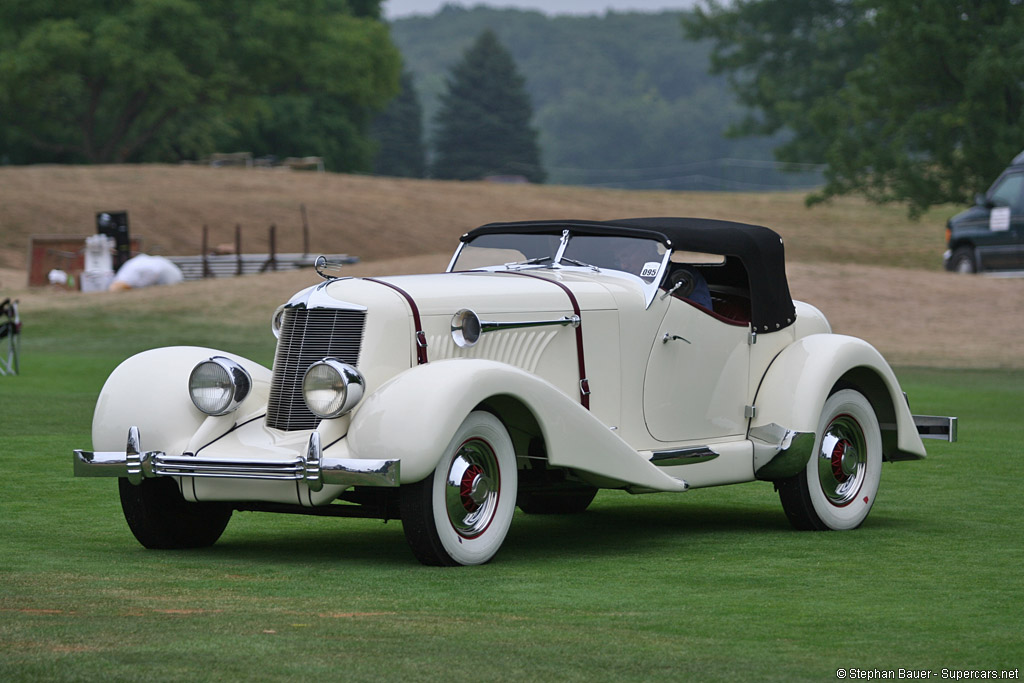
[650,269]
[999,219]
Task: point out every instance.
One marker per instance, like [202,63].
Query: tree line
[112,81]
[620,100]
[915,101]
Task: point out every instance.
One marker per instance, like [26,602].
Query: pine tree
[398,132]
[483,125]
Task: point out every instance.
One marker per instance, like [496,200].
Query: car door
[696,381]
[1017,222]
[1003,246]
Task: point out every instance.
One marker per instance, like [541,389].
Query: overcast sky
[394,9]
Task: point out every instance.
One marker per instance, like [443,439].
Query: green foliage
[918,102]
[619,100]
[169,79]
[483,124]
[398,132]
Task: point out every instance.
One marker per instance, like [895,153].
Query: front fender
[789,401]
[150,391]
[414,415]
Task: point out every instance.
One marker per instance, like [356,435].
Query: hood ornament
[329,268]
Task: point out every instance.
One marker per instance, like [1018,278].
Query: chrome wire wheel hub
[842,460]
[472,488]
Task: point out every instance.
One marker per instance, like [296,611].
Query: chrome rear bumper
[935,427]
[312,468]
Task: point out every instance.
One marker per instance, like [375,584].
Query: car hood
[487,292]
[971,215]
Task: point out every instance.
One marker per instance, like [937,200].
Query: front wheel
[838,486]
[962,261]
[161,518]
[460,514]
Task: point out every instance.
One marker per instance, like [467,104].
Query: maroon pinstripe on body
[421,338]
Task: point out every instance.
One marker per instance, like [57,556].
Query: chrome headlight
[466,328]
[217,386]
[332,388]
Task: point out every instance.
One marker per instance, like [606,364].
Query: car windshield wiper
[529,262]
[579,263]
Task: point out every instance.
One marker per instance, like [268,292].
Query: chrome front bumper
[312,468]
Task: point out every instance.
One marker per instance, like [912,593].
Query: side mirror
[979,200]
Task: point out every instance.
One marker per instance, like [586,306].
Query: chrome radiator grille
[306,336]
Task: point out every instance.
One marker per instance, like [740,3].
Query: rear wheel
[460,514]
[838,486]
[162,519]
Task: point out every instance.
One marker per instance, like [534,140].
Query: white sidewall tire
[847,402]
[481,547]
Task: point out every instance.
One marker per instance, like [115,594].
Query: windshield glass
[640,257]
[498,249]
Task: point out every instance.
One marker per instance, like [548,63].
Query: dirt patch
[380,218]
[911,311]
[920,318]
[914,317]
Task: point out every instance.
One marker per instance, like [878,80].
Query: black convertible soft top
[757,248]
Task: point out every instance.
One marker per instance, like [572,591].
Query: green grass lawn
[707,585]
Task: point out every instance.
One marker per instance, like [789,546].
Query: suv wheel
[963,260]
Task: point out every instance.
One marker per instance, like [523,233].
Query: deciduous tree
[97,81]
[916,101]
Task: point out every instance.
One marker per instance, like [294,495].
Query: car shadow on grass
[608,529]
[614,527]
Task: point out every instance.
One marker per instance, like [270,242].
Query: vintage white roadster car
[552,359]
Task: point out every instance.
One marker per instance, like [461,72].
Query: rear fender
[789,401]
[414,415]
[150,391]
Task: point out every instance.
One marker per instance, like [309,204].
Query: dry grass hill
[873,272]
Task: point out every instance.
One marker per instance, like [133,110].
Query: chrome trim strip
[683,456]
[455,256]
[936,427]
[490,325]
[466,319]
[316,296]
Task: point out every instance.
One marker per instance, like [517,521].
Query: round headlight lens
[466,328]
[332,388]
[218,385]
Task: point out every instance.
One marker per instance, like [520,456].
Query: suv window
[1009,192]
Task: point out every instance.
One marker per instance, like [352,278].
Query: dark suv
[990,234]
